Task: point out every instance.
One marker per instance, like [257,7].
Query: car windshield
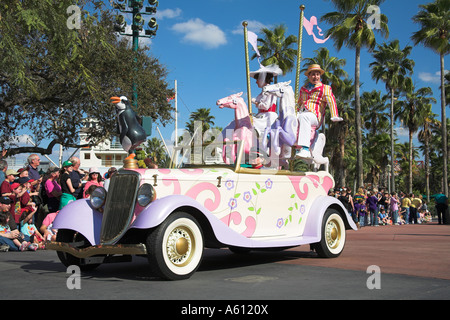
[233,155]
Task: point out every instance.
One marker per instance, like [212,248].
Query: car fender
[155,213]
[80,216]
[313,227]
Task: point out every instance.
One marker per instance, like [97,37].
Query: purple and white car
[171,215]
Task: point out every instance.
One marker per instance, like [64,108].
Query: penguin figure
[131,133]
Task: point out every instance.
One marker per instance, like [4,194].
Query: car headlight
[98,197]
[146,194]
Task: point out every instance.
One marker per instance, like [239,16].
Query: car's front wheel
[332,242]
[175,247]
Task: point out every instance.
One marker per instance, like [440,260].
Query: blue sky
[201,43]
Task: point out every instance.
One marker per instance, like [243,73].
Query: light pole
[135,7]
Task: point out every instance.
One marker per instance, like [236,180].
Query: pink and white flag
[309,27]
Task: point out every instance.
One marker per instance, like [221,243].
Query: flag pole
[299,52]
[247,68]
[297,75]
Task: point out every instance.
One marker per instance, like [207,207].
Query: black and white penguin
[131,133]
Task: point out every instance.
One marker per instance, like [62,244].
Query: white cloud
[168,13]
[431,78]
[197,31]
[253,25]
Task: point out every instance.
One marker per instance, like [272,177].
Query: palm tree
[406,159]
[350,28]
[276,48]
[425,137]
[154,149]
[203,115]
[412,113]
[375,120]
[373,110]
[434,19]
[392,67]
[331,65]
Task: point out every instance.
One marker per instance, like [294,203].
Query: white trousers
[306,120]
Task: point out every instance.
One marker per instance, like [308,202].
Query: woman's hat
[94,170]
[67,164]
[314,67]
[272,69]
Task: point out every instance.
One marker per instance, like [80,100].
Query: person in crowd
[6,238]
[381,195]
[111,171]
[77,176]
[346,200]
[406,203]
[33,172]
[15,240]
[3,168]
[52,189]
[414,208]
[352,202]
[372,205]
[383,217]
[401,216]
[26,201]
[393,207]
[89,190]
[441,206]
[23,172]
[361,212]
[95,179]
[16,205]
[66,185]
[49,233]
[30,232]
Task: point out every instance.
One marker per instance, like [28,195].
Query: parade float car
[171,215]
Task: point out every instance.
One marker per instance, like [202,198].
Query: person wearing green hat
[66,185]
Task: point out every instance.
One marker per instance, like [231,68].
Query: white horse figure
[241,126]
[283,133]
[317,146]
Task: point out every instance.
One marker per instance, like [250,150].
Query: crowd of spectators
[378,207]
[30,202]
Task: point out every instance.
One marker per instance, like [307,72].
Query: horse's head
[277,88]
[230,101]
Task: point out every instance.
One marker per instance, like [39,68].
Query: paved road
[414,263]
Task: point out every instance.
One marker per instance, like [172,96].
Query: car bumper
[123,249]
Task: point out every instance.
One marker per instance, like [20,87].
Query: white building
[104,155]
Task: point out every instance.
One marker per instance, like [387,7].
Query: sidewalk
[421,250]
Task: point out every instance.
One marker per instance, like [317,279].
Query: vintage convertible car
[171,215]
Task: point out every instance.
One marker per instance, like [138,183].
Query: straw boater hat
[314,67]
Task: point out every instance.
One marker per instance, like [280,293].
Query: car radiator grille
[119,206]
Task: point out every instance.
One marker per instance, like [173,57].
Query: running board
[124,249]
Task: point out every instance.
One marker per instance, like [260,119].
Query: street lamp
[135,7]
